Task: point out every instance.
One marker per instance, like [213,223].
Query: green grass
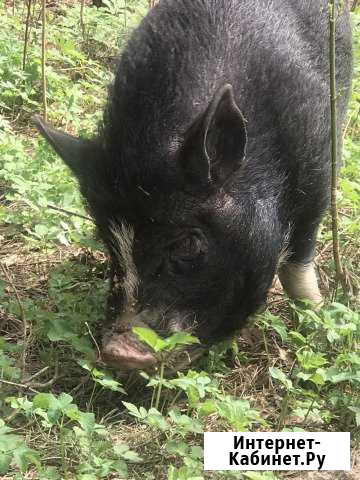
[64,416]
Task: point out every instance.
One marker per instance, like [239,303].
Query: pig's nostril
[123,353]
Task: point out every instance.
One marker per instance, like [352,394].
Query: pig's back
[274,53]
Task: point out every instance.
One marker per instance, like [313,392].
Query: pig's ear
[75,152]
[215,144]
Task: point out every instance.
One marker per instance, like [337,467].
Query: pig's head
[191,244]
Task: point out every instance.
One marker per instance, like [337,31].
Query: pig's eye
[185,252]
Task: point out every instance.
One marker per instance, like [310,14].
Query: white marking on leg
[299,281]
[122,241]
[285,252]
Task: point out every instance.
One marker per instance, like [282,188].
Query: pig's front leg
[297,275]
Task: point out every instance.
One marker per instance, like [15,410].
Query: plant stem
[26,39]
[283,412]
[43,59]
[152,399]
[309,410]
[162,369]
[82,23]
[266,346]
[334,148]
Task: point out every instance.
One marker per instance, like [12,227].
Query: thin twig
[82,23]
[23,319]
[35,385]
[93,339]
[334,149]
[347,127]
[47,384]
[68,212]
[26,39]
[37,374]
[32,17]
[19,385]
[43,59]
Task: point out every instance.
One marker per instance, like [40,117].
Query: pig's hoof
[123,353]
[300,282]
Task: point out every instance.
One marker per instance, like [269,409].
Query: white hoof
[300,282]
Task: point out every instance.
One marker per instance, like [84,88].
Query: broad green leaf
[87,421]
[196,452]
[122,450]
[318,378]
[156,419]
[180,338]
[179,447]
[5,460]
[206,408]
[133,410]
[310,360]
[281,376]
[24,456]
[101,377]
[297,338]
[150,337]
[186,423]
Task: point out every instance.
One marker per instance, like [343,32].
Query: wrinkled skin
[212,161]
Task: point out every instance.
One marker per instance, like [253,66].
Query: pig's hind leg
[297,274]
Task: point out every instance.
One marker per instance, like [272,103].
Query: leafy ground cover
[62,414]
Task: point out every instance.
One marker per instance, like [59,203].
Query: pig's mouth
[123,351]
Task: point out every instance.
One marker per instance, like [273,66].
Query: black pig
[213,159]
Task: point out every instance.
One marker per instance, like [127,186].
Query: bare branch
[68,212]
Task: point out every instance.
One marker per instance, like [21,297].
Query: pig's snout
[124,352]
